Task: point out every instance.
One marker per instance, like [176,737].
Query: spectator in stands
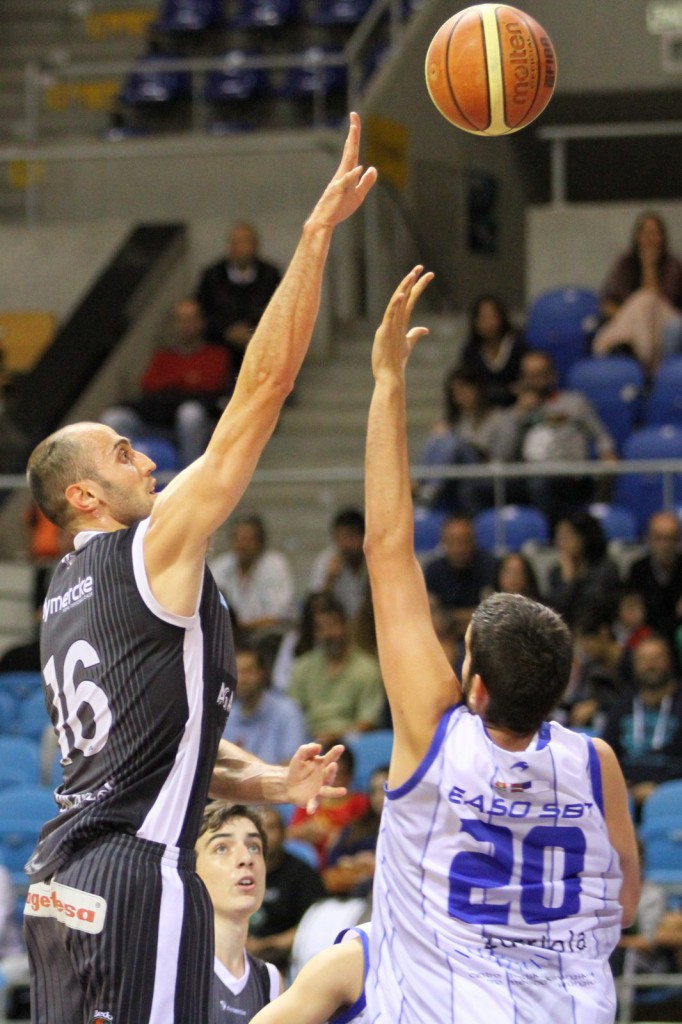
[584,572]
[264,722]
[600,680]
[641,298]
[657,576]
[291,886]
[463,575]
[494,349]
[231,854]
[180,389]
[515,575]
[323,827]
[548,424]
[234,292]
[13,956]
[462,437]
[25,656]
[645,731]
[341,569]
[256,581]
[338,686]
[350,861]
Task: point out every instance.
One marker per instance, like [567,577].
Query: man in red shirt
[180,388]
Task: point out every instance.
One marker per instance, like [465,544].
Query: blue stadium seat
[189,16]
[304,851]
[644,493]
[24,809]
[151,83]
[661,834]
[264,13]
[311,75]
[32,718]
[20,685]
[19,761]
[337,12]
[159,450]
[614,386]
[371,750]
[664,402]
[618,523]
[427,527]
[561,321]
[509,528]
[9,711]
[235,80]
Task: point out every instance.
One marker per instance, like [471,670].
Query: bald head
[61,459]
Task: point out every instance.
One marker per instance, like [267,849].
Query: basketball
[491,69]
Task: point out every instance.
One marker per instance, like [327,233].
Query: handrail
[479,471]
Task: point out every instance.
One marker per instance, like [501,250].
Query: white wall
[576,243]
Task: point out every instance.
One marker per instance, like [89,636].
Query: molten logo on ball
[491,69]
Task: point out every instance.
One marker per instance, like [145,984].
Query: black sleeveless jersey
[139,698]
[236,1001]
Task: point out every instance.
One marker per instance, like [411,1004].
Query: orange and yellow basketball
[491,69]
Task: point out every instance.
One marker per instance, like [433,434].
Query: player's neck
[507,739]
[230,941]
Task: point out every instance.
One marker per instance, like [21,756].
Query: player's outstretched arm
[242,777]
[331,980]
[419,680]
[200,498]
[621,829]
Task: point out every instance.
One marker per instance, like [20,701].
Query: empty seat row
[193,16]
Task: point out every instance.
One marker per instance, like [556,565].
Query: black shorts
[122,933]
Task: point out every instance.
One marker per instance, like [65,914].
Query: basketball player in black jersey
[231,853]
[139,675]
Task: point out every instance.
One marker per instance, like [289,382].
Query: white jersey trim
[142,580]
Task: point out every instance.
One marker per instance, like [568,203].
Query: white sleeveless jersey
[496,886]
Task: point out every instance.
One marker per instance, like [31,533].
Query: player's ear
[81,496]
[477,700]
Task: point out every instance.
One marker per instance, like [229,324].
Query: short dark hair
[57,462]
[257,524]
[218,812]
[523,652]
[349,519]
[330,605]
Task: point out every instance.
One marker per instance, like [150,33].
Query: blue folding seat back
[19,760]
[9,713]
[311,75]
[21,685]
[614,385]
[428,524]
[264,13]
[304,851]
[510,527]
[235,80]
[644,493]
[371,750]
[33,718]
[664,403]
[189,15]
[159,450]
[337,12]
[153,83]
[617,522]
[561,321]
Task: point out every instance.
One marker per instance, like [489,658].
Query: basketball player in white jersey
[138,664]
[506,861]
[231,853]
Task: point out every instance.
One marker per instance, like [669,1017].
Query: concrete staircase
[320,438]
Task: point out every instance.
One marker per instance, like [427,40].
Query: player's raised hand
[394,338]
[311,775]
[349,186]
